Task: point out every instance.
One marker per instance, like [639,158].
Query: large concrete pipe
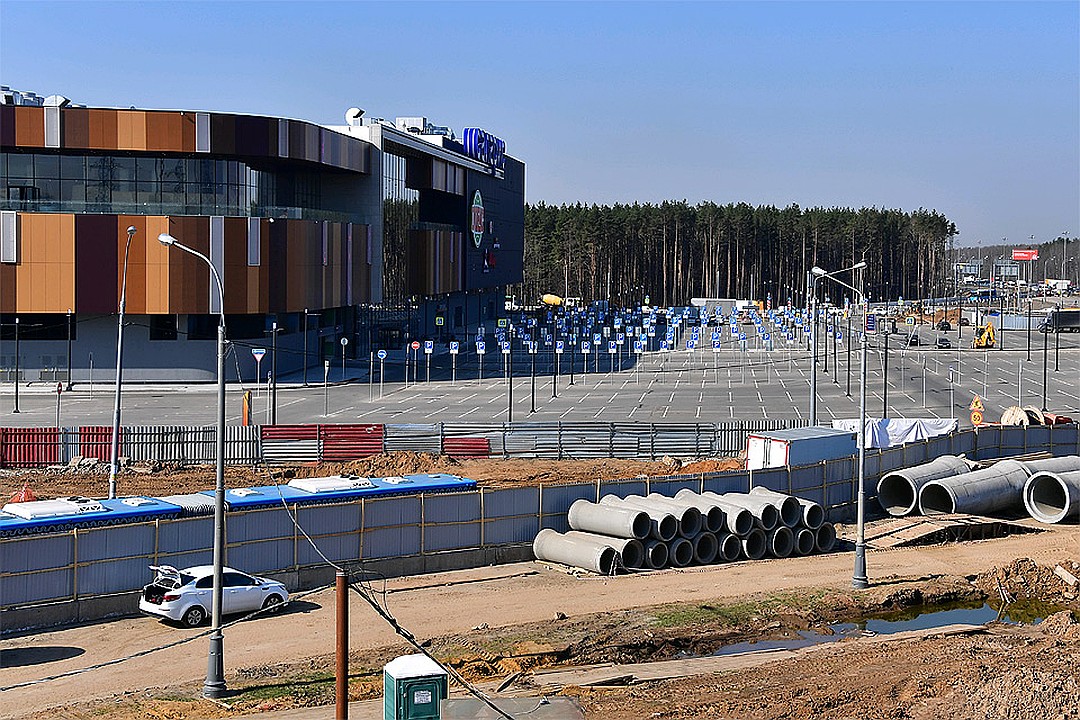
[979,493]
[788,506]
[1063,464]
[730,547]
[705,547]
[662,524]
[631,552]
[825,537]
[712,515]
[656,554]
[609,520]
[898,491]
[553,547]
[781,541]
[737,520]
[805,540]
[690,522]
[1052,497]
[766,516]
[754,544]
[680,552]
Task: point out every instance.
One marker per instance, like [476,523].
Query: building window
[162,327]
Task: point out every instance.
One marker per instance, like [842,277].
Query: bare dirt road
[455,605]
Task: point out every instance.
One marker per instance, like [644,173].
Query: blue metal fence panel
[188,558]
[500,531]
[508,502]
[453,536]
[772,478]
[622,488]
[264,556]
[112,576]
[337,548]
[559,498]
[669,487]
[115,541]
[39,552]
[187,534]
[259,524]
[330,519]
[391,542]
[452,507]
[721,483]
[38,587]
[382,512]
[808,478]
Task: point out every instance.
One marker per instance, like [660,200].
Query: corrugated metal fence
[82,564]
[40,447]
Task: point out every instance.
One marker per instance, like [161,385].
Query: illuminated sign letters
[484,147]
[477,224]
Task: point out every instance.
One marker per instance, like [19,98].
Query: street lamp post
[214,686]
[815,274]
[114,458]
[68,387]
[16,409]
[859,578]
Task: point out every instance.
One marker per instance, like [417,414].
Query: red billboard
[1018,254]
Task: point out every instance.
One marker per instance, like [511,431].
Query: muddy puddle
[917,618]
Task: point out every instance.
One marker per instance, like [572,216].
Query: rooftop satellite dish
[353,115]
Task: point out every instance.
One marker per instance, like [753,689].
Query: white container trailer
[799,446]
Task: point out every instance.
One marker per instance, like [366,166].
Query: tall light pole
[214,687]
[815,274]
[859,579]
[114,457]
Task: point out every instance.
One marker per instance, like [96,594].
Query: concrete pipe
[825,537]
[812,513]
[766,516]
[609,520]
[1052,497]
[781,541]
[631,552]
[737,520]
[981,492]
[553,547]
[662,524]
[754,544]
[680,552]
[730,547]
[787,505]
[1063,464]
[690,522]
[898,491]
[805,541]
[705,548]
[656,554]
[712,515]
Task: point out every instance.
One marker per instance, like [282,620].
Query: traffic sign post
[382,356]
[344,344]
[481,350]
[326,388]
[429,347]
[259,354]
[454,348]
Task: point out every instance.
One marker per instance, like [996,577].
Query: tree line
[673,251]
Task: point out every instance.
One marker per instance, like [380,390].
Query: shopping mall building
[374,232]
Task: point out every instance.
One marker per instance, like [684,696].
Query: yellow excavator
[984,336]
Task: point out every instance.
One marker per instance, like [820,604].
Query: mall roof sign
[483,146]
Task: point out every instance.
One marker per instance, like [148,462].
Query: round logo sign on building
[477,225]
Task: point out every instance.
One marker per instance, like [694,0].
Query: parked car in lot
[944,325]
[186,596]
[943,342]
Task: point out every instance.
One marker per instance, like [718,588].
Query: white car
[186,596]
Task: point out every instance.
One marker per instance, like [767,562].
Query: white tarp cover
[886,432]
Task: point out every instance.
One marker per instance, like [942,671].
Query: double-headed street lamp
[214,687]
[859,579]
[114,458]
[817,273]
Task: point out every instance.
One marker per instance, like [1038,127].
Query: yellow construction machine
[984,336]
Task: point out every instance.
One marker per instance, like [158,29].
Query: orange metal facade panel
[75,128]
[167,132]
[136,276]
[131,130]
[29,126]
[103,130]
[154,270]
[45,275]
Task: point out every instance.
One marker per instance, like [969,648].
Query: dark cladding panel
[278,266]
[499,258]
[223,134]
[253,136]
[96,260]
[7,125]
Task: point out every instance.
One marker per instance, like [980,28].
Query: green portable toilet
[413,688]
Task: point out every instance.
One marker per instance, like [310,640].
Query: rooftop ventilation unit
[41,509]
[332,484]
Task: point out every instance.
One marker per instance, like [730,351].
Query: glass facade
[401,213]
[120,184]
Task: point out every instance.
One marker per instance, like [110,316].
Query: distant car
[186,596]
[943,342]
[944,325]
[913,339]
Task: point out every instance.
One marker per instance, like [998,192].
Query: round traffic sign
[976,417]
[415,344]
[344,341]
[381,354]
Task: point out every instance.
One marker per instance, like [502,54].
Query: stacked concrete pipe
[631,551]
[607,520]
[793,510]
[664,525]
[1052,497]
[766,516]
[805,540]
[690,520]
[898,491]
[711,517]
[981,492]
[737,520]
[554,547]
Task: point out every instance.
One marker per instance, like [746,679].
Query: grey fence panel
[731,434]
[559,498]
[1037,438]
[38,587]
[585,440]
[280,451]
[501,531]
[384,512]
[265,556]
[391,542]
[115,541]
[669,487]
[453,536]
[111,576]
[621,488]
[1065,439]
[987,443]
[254,525]
[510,502]
[70,444]
[685,440]
[38,552]
[320,520]
[188,558]
[414,437]
[771,478]
[185,535]
[242,445]
[806,478]
[528,443]
[338,548]
[170,443]
[452,507]
[631,441]
[720,483]
[1013,441]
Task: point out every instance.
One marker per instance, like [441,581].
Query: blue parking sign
[481,347]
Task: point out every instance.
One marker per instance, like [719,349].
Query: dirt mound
[710,466]
[1061,625]
[387,464]
[1023,578]
[1020,693]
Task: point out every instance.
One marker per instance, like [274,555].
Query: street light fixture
[114,458]
[859,579]
[817,273]
[214,687]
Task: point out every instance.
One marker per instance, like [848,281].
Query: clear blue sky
[970,108]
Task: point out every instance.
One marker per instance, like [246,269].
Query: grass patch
[734,613]
[301,690]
